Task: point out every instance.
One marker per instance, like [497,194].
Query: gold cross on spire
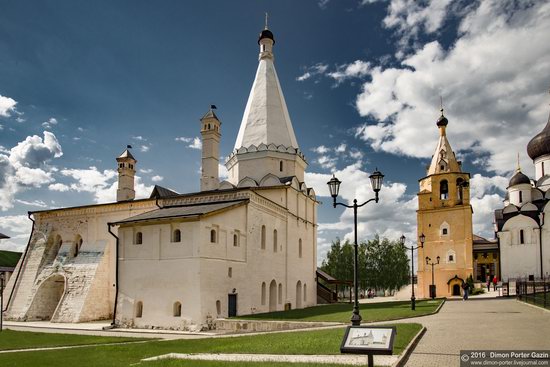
[266,16]
[518,168]
[441,104]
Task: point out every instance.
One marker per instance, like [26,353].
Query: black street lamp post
[428,262]
[412,248]
[1,298]
[334,187]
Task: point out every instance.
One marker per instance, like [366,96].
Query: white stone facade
[56,285]
[523,225]
[201,275]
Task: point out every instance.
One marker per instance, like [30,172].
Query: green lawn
[11,339]
[341,312]
[325,341]
[537,300]
[9,258]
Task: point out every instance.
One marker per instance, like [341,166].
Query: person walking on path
[465,288]
[488,283]
[495,282]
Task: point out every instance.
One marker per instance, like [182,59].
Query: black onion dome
[266,33]
[540,144]
[518,179]
[442,121]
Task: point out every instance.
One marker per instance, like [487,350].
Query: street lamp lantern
[376,180]
[422,239]
[402,240]
[334,187]
[438,258]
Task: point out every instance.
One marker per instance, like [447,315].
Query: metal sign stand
[369,340]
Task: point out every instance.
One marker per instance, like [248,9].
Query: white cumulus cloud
[196,144]
[7,106]
[493,81]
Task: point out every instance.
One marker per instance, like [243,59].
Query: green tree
[387,265]
[383,264]
[339,261]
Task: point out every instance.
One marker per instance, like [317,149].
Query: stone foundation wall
[237,326]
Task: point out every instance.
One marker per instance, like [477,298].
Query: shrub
[477,291]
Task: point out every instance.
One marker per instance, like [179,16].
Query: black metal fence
[534,292]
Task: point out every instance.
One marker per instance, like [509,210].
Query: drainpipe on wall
[113,324]
[22,261]
[541,223]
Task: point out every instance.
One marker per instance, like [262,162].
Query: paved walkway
[479,324]
[355,360]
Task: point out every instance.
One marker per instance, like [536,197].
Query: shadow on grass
[341,312]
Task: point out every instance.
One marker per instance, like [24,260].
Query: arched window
[459,187]
[139,309]
[218,307]
[213,236]
[451,257]
[520,196]
[274,240]
[139,238]
[300,248]
[444,229]
[521,236]
[235,240]
[542,168]
[263,294]
[177,309]
[280,294]
[263,238]
[230,272]
[444,190]
[305,292]
[176,235]
[76,246]
[281,166]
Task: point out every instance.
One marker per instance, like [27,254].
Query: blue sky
[362,80]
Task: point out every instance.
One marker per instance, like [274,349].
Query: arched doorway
[455,285]
[456,290]
[299,294]
[273,296]
[47,298]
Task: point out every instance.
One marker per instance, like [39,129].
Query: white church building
[523,225]
[242,246]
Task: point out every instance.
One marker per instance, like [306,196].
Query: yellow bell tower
[444,216]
